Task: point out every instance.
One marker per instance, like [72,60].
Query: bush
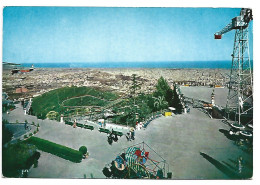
[16,157]
[30,134]
[5,121]
[83,150]
[6,135]
[25,136]
[52,115]
[34,132]
[38,125]
[56,149]
[33,123]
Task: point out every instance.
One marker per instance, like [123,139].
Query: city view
[127,93]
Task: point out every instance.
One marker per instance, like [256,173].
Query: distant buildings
[21,90]
[28,85]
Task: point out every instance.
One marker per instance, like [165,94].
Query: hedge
[56,149]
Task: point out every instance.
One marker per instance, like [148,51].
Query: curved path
[75,97]
[112,103]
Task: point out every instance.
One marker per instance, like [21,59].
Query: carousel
[138,162]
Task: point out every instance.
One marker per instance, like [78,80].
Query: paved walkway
[178,139]
[204,94]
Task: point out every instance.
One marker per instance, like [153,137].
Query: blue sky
[87,34]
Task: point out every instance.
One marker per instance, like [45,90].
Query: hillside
[52,100]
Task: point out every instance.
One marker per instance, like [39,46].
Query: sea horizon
[160,64]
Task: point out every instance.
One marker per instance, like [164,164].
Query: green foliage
[17,156]
[4,121]
[25,136]
[6,107]
[52,100]
[6,135]
[135,85]
[30,134]
[163,89]
[160,103]
[139,108]
[34,132]
[133,111]
[52,115]
[83,150]
[129,118]
[56,149]
[85,101]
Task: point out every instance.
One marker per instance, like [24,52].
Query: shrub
[37,129]
[56,149]
[16,157]
[25,136]
[6,135]
[33,123]
[34,132]
[30,134]
[38,125]
[5,121]
[83,150]
[52,115]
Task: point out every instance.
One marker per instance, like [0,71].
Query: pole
[239,77]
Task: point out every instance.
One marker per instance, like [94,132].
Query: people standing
[133,135]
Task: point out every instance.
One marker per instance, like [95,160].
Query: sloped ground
[178,139]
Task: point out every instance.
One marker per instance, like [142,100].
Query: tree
[163,89]
[160,103]
[16,157]
[143,111]
[134,87]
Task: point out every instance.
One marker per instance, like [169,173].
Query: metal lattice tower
[240,96]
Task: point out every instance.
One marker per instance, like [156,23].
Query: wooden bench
[117,133]
[104,130]
[68,123]
[79,125]
[89,127]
